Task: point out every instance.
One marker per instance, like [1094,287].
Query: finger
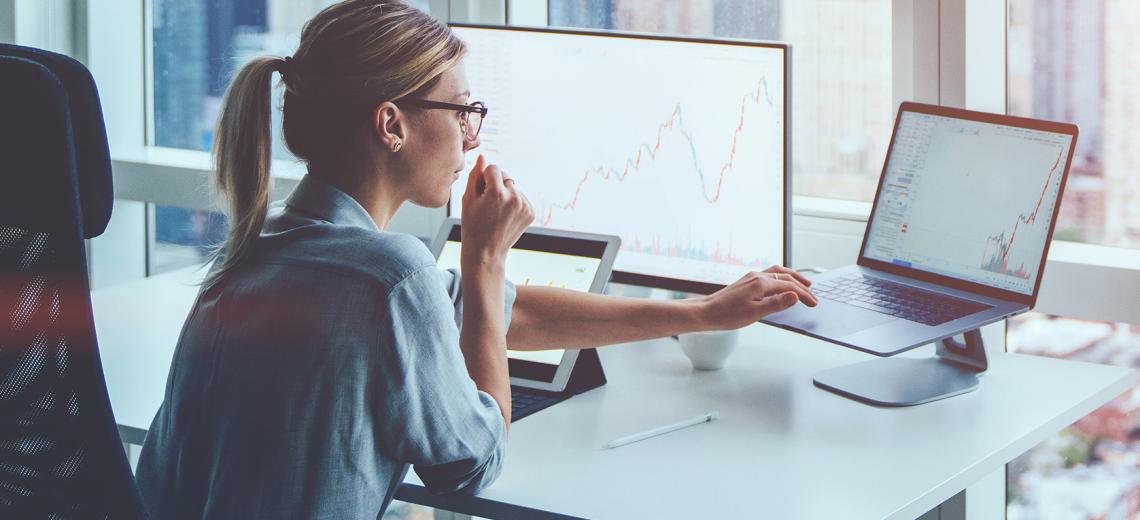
[494,178]
[475,176]
[519,198]
[526,204]
[795,274]
[788,277]
[780,286]
[775,303]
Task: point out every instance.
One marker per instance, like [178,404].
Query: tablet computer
[543,257]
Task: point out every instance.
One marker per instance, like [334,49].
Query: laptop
[958,233]
[553,258]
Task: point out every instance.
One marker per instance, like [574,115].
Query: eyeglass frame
[478,107]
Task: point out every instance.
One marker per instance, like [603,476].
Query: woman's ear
[391,126]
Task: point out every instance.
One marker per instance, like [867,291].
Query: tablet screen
[545,261]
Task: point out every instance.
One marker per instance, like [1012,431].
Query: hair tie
[286,66]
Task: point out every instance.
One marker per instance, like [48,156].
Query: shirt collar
[327,203]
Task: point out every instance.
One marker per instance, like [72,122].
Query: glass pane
[184,237]
[199,44]
[1090,469]
[1077,62]
[404,511]
[841,65]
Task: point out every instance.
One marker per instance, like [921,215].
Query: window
[1088,470]
[184,237]
[1076,61]
[841,66]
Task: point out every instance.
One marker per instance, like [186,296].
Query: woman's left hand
[752,297]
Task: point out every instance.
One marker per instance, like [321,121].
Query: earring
[396,146]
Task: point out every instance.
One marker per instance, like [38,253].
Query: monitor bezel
[983,117]
[663,282]
[530,374]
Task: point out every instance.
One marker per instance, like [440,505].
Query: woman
[323,355]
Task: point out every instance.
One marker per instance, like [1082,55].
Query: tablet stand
[899,381]
[587,372]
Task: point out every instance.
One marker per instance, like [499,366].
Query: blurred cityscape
[1091,469]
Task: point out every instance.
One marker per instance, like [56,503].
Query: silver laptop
[554,258]
[957,237]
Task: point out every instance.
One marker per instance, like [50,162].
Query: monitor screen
[541,261]
[967,199]
[676,145]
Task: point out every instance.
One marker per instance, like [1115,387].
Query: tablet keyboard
[525,402]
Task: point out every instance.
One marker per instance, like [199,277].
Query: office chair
[60,452]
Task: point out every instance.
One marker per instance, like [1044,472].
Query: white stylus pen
[708,417]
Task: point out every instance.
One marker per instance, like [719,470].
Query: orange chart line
[675,120]
[1004,249]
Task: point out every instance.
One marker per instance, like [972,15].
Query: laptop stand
[953,370]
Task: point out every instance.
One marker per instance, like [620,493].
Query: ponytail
[242,154]
[352,56]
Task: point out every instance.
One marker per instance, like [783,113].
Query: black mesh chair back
[60,452]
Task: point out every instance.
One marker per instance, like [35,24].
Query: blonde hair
[352,56]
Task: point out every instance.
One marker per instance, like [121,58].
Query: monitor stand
[953,370]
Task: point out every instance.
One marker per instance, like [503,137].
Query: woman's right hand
[752,297]
[494,215]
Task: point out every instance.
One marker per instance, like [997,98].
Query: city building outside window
[1092,468]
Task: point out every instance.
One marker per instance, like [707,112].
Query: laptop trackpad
[830,318]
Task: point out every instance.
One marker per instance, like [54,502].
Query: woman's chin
[434,201]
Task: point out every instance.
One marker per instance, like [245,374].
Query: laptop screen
[541,260]
[968,199]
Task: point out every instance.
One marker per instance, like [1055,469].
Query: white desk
[781,449]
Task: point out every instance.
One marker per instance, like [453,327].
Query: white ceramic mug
[709,350]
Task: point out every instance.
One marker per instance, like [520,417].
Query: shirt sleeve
[452,280]
[432,415]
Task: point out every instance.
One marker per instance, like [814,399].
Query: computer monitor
[677,145]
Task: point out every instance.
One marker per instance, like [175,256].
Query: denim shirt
[307,381]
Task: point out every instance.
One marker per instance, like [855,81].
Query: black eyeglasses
[470,116]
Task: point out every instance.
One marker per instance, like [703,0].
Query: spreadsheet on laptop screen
[968,199]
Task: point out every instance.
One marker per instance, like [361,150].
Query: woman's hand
[494,215]
[752,297]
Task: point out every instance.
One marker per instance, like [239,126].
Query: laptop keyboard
[524,403]
[896,299]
